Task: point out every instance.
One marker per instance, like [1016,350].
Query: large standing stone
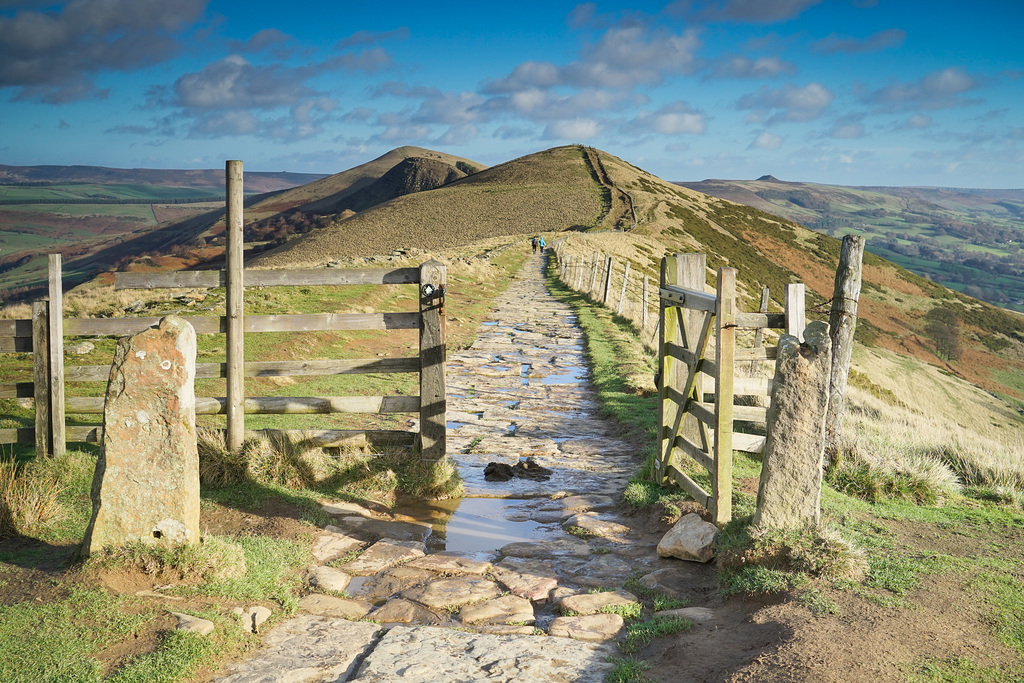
[790,491]
[146,486]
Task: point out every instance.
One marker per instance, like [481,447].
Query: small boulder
[690,539]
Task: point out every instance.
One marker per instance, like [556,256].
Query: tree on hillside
[943,326]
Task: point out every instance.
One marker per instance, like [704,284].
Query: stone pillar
[146,486]
[790,490]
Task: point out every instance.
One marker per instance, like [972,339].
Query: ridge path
[474,596]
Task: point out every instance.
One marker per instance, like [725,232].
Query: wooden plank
[701,412]
[680,353]
[761,321]
[277,405]
[695,452]
[748,443]
[18,389]
[85,433]
[18,435]
[55,346]
[15,345]
[16,328]
[302,277]
[796,316]
[120,327]
[279,368]
[749,414]
[334,438]
[608,263]
[764,353]
[759,334]
[725,323]
[752,386]
[688,298]
[234,306]
[41,378]
[433,356]
[683,481]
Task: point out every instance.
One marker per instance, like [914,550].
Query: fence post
[607,280]
[622,292]
[235,308]
[796,317]
[593,275]
[646,294]
[759,334]
[725,330]
[433,406]
[55,329]
[41,378]
[842,322]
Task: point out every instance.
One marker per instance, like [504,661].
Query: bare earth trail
[471,596]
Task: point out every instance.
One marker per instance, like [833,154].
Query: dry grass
[890,451]
[28,500]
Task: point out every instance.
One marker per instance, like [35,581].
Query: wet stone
[447,593]
[508,609]
[391,582]
[533,580]
[592,603]
[330,606]
[328,579]
[333,544]
[400,611]
[385,554]
[604,570]
[595,526]
[450,564]
[561,547]
[380,529]
[592,628]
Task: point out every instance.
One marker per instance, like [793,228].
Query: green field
[95,193]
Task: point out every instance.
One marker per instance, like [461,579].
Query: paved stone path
[501,567]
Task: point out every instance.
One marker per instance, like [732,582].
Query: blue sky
[854,92]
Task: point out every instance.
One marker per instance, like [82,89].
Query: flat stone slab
[508,609]
[186,622]
[329,579]
[384,554]
[400,611]
[595,526]
[307,649]
[447,593]
[333,543]
[383,529]
[560,547]
[592,603]
[331,606]
[591,628]
[527,578]
[424,654]
[391,582]
[450,564]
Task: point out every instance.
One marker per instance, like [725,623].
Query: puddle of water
[479,526]
[501,368]
[489,323]
[512,429]
[473,527]
[511,405]
[455,425]
[575,377]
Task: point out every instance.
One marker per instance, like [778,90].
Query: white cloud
[747,11]
[676,118]
[882,40]
[575,129]
[740,66]
[938,90]
[767,141]
[789,103]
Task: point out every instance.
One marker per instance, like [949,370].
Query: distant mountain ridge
[256,181]
[968,239]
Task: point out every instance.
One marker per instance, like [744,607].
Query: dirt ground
[773,638]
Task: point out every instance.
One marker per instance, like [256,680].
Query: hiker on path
[534,242]
[542,244]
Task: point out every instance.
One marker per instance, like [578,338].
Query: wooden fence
[698,410]
[44,335]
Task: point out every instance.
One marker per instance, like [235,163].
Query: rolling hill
[967,239]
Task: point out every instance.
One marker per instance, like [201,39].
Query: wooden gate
[690,424]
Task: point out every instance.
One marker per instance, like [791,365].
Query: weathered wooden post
[608,263]
[622,292]
[796,316]
[593,275]
[55,330]
[644,304]
[842,322]
[41,377]
[725,330]
[759,333]
[235,308]
[433,403]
